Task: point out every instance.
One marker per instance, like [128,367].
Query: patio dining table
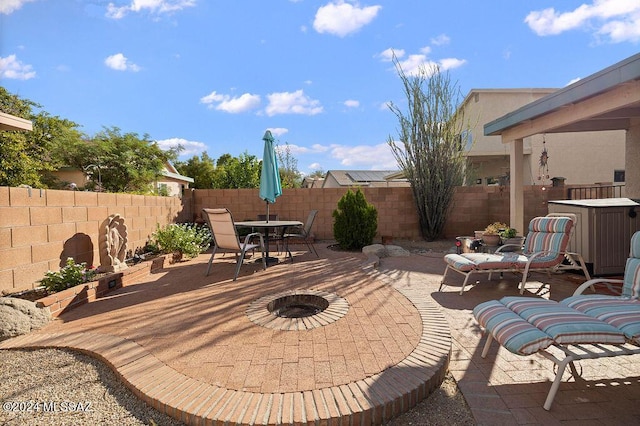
[265,226]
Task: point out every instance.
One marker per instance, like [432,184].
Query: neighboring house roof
[361,177]
[171,172]
[11,122]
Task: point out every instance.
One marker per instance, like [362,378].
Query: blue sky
[214,75]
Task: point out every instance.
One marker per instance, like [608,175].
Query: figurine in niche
[113,244]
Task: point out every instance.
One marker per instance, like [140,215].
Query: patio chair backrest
[548,234]
[631,287]
[309,223]
[222,228]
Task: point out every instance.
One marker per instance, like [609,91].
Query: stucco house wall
[582,158]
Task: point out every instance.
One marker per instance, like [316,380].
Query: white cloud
[11,67]
[376,157]
[292,103]
[9,6]
[119,62]
[340,18]
[232,105]
[191,148]
[440,40]
[412,64]
[315,166]
[387,54]
[575,80]
[619,20]
[278,131]
[152,6]
[351,103]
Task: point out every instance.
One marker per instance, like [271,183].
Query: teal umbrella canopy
[270,186]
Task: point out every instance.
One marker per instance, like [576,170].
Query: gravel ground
[83,390]
[78,390]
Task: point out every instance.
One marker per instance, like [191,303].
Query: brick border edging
[65,300]
[372,400]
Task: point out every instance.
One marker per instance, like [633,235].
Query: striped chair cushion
[459,262]
[509,329]
[632,270]
[562,323]
[495,261]
[622,313]
[549,234]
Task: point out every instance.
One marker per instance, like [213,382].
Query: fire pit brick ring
[297,310]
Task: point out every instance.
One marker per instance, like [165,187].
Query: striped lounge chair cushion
[562,323]
[548,234]
[631,286]
[475,261]
[509,329]
[459,262]
[622,313]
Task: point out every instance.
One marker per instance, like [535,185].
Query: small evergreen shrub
[68,276]
[355,221]
[186,238]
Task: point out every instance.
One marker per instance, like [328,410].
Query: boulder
[19,316]
[384,250]
[375,250]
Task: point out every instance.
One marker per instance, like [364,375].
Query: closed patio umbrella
[270,186]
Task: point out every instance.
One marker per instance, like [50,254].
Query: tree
[123,162]
[429,150]
[202,169]
[27,157]
[290,177]
[237,172]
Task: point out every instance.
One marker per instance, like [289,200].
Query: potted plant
[510,237]
[491,234]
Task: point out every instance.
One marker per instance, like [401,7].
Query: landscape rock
[385,250]
[375,249]
[19,316]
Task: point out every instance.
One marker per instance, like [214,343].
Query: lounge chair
[580,327]
[225,238]
[544,250]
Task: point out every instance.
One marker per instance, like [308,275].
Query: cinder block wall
[39,229]
[473,207]
[397,215]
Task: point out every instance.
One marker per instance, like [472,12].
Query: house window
[163,190]
[618,175]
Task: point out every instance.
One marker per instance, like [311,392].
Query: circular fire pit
[297,305]
[297,310]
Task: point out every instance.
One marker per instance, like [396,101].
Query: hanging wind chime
[543,168]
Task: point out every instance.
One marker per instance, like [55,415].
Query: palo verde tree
[429,148]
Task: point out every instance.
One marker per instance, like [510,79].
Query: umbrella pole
[267,211]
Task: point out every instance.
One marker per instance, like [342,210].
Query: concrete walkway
[507,389]
[185,344]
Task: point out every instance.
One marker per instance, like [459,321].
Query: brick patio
[184,343]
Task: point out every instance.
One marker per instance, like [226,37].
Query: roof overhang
[11,122]
[606,100]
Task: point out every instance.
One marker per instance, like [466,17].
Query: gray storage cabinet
[603,231]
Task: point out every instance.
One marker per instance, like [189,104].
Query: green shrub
[68,276]
[355,221]
[187,239]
